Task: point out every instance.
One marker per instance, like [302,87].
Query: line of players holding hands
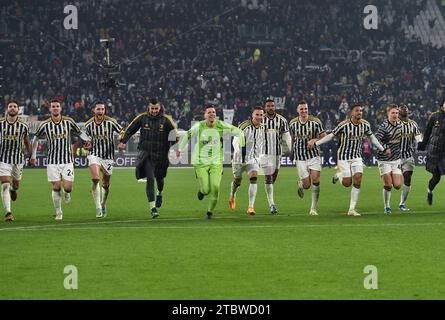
[258,146]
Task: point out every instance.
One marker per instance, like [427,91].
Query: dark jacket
[434,142]
[154,135]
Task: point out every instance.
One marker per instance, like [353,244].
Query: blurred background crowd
[232,53]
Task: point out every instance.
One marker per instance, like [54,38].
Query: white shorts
[348,168]
[304,167]
[239,168]
[104,164]
[386,167]
[11,170]
[408,164]
[57,172]
[270,163]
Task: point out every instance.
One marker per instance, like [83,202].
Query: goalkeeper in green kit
[207,157]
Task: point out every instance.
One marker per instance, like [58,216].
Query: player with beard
[13,138]
[410,137]
[351,133]
[304,128]
[277,134]
[247,158]
[157,134]
[434,143]
[101,129]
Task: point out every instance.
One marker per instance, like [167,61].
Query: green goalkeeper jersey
[209,147]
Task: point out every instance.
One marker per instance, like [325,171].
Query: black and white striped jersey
[389,136]
[301,133]
[58,139]
[12,137]
[410,130]
[350,143]
[102,136]
[255,140]
[275,127]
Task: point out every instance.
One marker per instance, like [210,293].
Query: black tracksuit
[157,134]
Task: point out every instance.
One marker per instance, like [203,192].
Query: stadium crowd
[231,52]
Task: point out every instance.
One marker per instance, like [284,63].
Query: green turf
[181,255]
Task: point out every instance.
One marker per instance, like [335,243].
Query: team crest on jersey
[146,127]
[437,124]
[161,127]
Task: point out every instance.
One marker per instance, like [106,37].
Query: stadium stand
[231,52]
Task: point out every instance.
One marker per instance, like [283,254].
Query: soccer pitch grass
[181,255]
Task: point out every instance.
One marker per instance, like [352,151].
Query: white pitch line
[238,218]
[95,226]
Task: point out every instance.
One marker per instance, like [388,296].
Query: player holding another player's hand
[121,146]
[87,145]
[311,144]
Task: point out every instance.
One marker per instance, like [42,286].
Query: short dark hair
[302,102]
[405,107]
[54,100]
[99,102]
[355,105]
[270,99]
[12,101]
[208,106]
[154,101]
[257,108]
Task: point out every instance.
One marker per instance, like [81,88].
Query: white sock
[252,194]
[152,204]
[233,189]
[269,193]
[105,193]
[96,196]
[405,190]
[6,197]
[315,196]
[57,201]
[354,197]
[386,197]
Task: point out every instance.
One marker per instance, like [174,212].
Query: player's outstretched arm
[287,141]
[317,142]
[35,144]
[129,131]
[235,131]
[183,142]
[240,135]
[379,146]
[28,146]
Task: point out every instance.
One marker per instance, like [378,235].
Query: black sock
[434,180]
